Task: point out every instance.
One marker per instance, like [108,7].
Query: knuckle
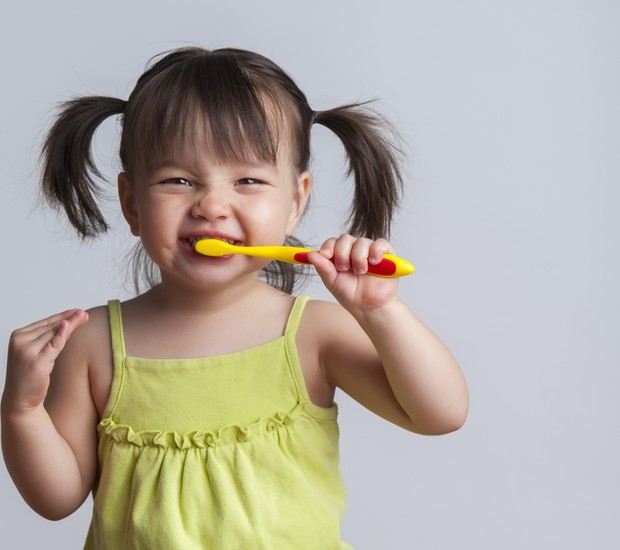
[16,338]
[55,344]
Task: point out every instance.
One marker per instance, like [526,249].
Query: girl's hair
[238,104]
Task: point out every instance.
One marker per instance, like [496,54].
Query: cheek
[275,214]
[158,218]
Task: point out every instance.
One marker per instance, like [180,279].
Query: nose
[211,205]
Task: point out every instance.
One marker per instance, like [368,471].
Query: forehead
[185,114]
[194,148]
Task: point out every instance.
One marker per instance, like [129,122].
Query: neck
[172,298]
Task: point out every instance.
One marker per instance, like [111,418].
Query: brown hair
[244,99]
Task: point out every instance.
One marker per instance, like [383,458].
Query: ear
[127,199]
[302,194]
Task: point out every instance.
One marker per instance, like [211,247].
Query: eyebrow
[168,163]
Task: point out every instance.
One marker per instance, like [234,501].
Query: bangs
[206,102]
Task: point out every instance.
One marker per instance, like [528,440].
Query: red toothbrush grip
[384,268]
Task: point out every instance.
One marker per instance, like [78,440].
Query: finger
[342,252]
[40,332]
[327,248]
[378,249]
[30,340]
[53,341]
[324,267]
[359,256]
[53,322]
[36,333]
[47,324]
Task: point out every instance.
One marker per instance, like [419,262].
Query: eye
[250,181]
[178,181]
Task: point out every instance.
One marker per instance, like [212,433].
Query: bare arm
[49,446]
[380,352]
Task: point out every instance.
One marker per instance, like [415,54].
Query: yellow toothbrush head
[214,247]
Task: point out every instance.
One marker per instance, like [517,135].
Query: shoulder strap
[118,354]
[295,316]
[116,329]
[291,347]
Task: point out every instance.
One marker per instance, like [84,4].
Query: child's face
[172,204]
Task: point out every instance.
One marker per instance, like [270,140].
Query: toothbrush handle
[389,267]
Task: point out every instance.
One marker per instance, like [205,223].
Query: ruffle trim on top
[124,434]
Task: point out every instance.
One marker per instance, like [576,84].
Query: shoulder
[332,329]
[98,318]
[326,312]
[89,346]
[94,335]
[93,343]
[326,316]
[82,341]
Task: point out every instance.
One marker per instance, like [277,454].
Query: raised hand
[33,351]
[346,277]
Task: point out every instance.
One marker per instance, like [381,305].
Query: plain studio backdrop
[511,115]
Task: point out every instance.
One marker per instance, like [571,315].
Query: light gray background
[511,111]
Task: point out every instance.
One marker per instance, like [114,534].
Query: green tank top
[224,452]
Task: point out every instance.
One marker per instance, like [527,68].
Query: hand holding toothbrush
[343,262]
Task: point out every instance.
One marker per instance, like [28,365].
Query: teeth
[194,240]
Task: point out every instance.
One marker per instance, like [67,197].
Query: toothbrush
[389,266]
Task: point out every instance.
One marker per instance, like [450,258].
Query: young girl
[200,413]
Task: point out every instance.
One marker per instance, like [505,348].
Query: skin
[369,344]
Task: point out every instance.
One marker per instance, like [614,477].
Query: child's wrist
[12,409]
[385,314]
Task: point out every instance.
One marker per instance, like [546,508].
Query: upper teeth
[194,240]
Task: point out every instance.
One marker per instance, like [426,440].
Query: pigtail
[373,161]
[69,173]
